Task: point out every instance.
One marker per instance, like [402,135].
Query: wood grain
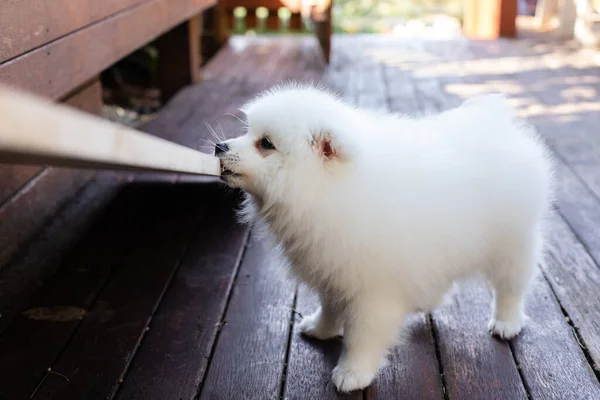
[475,365]
[413,370]
[249,356]
[173,356]
[29,210]
[97,355]
[575,278]
[29,346]
[44,70]
[546,335]
[27,24]
[179,57]
[43,254]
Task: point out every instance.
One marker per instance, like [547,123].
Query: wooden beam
[58,135]
[55,69]
[27,24]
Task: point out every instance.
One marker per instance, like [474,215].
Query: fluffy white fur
[381,213]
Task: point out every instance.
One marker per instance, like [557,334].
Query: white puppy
[380,214]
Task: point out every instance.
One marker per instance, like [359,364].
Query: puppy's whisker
[236,117]
[222,132]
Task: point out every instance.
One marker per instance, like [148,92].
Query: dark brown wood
[173,356]
[311,361]
[575,278]
[215,31]
[179,57]
[27,24]
[254,333]
[45,71]
[475,365]
[100,350]
[40,258]
[323,29]
[27,211]
[413,370]
[29,346]
[548,334]
[87,98]
[13,177]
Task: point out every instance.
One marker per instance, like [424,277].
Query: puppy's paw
[348,378]
[313,326]
[505,329]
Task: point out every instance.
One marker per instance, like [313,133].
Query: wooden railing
[280,15]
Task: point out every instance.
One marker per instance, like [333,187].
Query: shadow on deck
[166,297]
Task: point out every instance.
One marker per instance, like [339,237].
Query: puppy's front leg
[325,323]
[371,329]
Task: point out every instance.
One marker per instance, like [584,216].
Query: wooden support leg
[179,57]
[323,30]
[88,98]
[215,31]
[296,22]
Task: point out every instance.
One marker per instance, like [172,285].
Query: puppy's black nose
[221,148]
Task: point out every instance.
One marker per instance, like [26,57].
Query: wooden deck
[144,287]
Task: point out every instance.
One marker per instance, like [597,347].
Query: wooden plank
[30,345]
[27,24]
[311,361]
[413,368]
[575,278]
[260,308]
[172,359]
[28,211]
[14,177]
[100,350]
[475,365]
[62,136]
[179,57]
[550,359]
[580,206]
[40,258]
[44,71]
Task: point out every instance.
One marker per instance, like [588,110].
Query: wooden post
[179,57]
[490,19]
[322,26]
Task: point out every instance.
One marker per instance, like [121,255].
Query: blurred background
[130,93]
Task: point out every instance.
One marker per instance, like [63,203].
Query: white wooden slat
[36,131]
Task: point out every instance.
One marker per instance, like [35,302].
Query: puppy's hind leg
[510,276]
[325,323]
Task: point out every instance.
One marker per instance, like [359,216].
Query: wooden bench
[58,50]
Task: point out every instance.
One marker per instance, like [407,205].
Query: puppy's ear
[328,147]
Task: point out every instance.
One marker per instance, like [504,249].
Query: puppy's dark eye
[266,144]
